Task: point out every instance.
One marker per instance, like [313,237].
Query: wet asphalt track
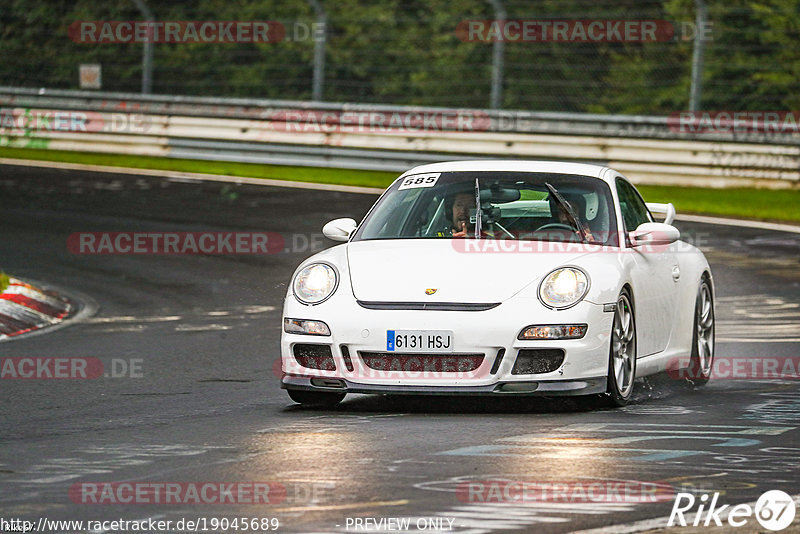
[205,331]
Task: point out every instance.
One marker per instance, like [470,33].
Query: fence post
[147,51]
[697,55]
[320,43]
[498,51]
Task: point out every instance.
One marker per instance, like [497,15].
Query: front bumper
[356,330]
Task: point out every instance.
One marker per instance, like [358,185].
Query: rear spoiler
[667,210]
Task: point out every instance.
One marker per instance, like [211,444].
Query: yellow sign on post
[90,76]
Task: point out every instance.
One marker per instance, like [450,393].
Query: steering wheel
[560,226]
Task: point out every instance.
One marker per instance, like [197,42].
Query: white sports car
[499,278]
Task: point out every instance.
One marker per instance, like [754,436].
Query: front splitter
[588,386]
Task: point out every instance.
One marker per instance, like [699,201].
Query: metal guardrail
[508,121]
[645,148]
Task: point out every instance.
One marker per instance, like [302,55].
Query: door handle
[676,273]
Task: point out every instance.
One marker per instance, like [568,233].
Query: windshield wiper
[571,215]
[478,210]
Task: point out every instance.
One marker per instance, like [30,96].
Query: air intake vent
[537,361]
[422,363]
[328,383]
[497,361]
[313,356]
[346,357]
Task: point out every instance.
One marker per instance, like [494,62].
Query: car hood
[402,270]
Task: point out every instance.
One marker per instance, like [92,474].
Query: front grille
[313,356]
[430,306]
[537,361]
[420,363]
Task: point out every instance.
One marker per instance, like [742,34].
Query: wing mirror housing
[653,233]
[339,229]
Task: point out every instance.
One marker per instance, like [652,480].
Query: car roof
[557,167]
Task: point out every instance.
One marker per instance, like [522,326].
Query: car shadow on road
[653,389]
[441,404]
[458,405]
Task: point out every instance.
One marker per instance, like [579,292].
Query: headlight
[314,283]
[563,288]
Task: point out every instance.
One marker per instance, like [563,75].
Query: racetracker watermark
[573,491]
[23,120]
[181,31]
[565,241]
[177,493]
[68,368]
[578,31]
[739,368]
[157,243]
[378,121]
[727,122]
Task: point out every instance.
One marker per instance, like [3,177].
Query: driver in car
[579,208]
[461,206]
[463,203]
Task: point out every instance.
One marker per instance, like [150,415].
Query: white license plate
[419,341]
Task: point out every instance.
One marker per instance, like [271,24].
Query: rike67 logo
[774,510]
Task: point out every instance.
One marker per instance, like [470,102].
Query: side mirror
[667,210]
[654,234]
[339,229]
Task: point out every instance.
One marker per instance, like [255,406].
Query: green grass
[254,170]
[747,203]
[763,204]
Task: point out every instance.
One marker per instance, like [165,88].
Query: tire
[322,399]
[701,362]
[622,353]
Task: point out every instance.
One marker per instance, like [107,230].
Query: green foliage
[408,52]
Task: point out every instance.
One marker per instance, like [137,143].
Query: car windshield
[513,205]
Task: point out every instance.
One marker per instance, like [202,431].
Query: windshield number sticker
[419,180]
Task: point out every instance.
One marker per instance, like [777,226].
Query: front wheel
[622,358]
[702,360]
[322,399]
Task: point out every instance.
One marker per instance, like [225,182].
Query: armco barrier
[644,148]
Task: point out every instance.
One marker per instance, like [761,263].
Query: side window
[634,212]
